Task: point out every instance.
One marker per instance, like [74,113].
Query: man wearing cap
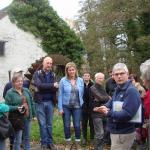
[121,109]
[46,88]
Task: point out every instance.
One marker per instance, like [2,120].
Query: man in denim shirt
[44,97]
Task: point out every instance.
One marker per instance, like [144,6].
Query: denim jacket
[65,91]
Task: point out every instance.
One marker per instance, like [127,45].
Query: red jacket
[147,104]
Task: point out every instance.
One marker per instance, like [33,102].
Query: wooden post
[9,74]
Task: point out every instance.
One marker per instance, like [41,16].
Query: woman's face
[71,72]
[133,81]
[146,84]
[18,84]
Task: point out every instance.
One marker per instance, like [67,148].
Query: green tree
[95,40]
[37,17]
[122,27]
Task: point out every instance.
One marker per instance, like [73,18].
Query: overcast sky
[64,8]
[4,3]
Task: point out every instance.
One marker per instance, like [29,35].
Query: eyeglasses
[119,74]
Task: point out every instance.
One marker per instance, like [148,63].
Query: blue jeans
[17,140]
[2,145]
[44,112]
[26,134]
[76,116]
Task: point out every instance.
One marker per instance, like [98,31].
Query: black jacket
[44,86]
[86,96]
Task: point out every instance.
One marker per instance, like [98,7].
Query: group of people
[80,100]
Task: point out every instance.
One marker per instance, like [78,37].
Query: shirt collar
[124,86]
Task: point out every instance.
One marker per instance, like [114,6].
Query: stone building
[17,49]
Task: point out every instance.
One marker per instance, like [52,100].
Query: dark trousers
[86,118]
[99,133]
[106,138]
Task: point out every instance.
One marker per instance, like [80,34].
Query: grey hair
[145,70]
[119,66]
[97,74]
[16,76]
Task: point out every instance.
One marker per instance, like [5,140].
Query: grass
[58,133]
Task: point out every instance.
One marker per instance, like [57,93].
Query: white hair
[99,73]
[119,66]
[145,70]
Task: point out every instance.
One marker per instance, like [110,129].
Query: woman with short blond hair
[21,120]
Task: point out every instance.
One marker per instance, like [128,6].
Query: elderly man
[46,87]
[121,109]
[98,97]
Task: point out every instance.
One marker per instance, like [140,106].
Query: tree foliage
[121,29]
[37,17]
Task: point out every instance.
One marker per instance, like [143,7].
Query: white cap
[17,70]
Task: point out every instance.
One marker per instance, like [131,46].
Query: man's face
[47,64]
[100,79]
[120,76]
[86,77]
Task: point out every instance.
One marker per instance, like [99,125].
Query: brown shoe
[78,146]
[68,145]
[52,147]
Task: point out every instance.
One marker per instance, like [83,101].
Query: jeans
[26,134]
[17,140]
[44,112]
[76,116]
[2,145]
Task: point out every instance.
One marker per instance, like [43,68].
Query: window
[2,48]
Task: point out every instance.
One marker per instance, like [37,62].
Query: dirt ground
[36,146]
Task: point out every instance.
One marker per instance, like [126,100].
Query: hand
[101,109]
[98,109]
[110,98]
[56,85]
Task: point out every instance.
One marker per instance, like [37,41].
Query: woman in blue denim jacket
[70,100]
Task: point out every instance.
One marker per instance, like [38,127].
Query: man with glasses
[121,109]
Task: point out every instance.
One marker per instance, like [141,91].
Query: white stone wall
[21,49]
